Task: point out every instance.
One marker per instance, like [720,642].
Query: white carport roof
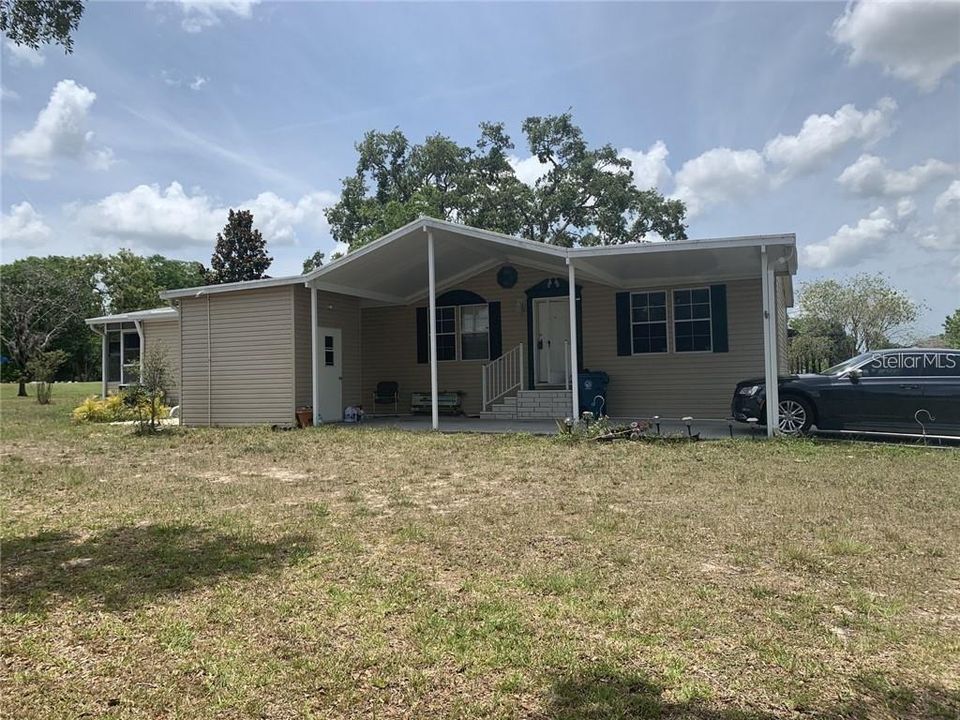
[160,313]
[393,269]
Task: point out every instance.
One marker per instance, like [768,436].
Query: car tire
[796,415]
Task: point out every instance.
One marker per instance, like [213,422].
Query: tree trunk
[22,391]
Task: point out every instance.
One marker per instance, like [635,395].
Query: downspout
[138,324]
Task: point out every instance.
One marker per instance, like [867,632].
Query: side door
[891,392]
[330,374]
[941,393]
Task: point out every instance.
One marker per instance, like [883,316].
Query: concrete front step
[531,405]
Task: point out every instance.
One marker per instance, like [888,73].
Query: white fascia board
[681,245]
[365,250]
[231,287]
[153,314]
[496,237]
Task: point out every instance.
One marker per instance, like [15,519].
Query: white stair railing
[502,376]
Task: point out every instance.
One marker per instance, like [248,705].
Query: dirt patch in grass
[345,572]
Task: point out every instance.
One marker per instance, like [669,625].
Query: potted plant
[304,416]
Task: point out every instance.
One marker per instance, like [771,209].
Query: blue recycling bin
[593,391]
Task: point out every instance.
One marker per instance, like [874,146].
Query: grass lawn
[348,572]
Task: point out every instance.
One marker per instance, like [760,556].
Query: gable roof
[391,268]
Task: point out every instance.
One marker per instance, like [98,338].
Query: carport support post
[104,362]
[770,375]
[314,366]
[574,382]
[432,322]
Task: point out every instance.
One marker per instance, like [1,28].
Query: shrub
[43,367]
[113,408]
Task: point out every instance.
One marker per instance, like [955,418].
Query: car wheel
[796,416]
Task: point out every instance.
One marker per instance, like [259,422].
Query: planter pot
[304,417]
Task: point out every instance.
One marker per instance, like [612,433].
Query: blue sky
[839,123]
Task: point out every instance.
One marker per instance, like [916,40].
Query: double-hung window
[463,332]
[692,323]
[648,316]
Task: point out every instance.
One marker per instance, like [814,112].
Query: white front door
[551,336]
[330,374]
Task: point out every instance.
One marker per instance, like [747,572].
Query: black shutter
[718,313]
[496,335]
[624,343]
[423,339]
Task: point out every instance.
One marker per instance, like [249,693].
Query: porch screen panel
[113,356]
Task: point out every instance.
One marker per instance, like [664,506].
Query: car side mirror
[854,376]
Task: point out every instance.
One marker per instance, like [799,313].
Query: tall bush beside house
[42,368]
[148,395]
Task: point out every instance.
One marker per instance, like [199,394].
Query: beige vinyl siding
[334,311]
[670,385]
[166,334]
[245,375]
[783,358]
[675,384]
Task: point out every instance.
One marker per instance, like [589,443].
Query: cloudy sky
[840,123]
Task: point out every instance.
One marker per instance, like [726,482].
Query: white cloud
[23,226]
[823,135]
[60,132]
[944,234]
[650,168]
[198,82]
[23,55]
[163,219]
[278,218]
[871,236]
[8,94]
[201,14]
[718,176]
[869,176]
[528,170]
[913,41]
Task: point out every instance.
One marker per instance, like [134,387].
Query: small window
[474,332]
[447,333]
[328,358]
[648,316]
[692,325]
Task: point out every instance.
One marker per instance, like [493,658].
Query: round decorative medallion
[507,276]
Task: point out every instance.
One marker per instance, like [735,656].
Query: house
[674,325]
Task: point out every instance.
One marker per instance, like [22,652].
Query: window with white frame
[692,322]
[648,322]
[463,332]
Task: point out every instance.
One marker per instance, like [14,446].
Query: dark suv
[906,390]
